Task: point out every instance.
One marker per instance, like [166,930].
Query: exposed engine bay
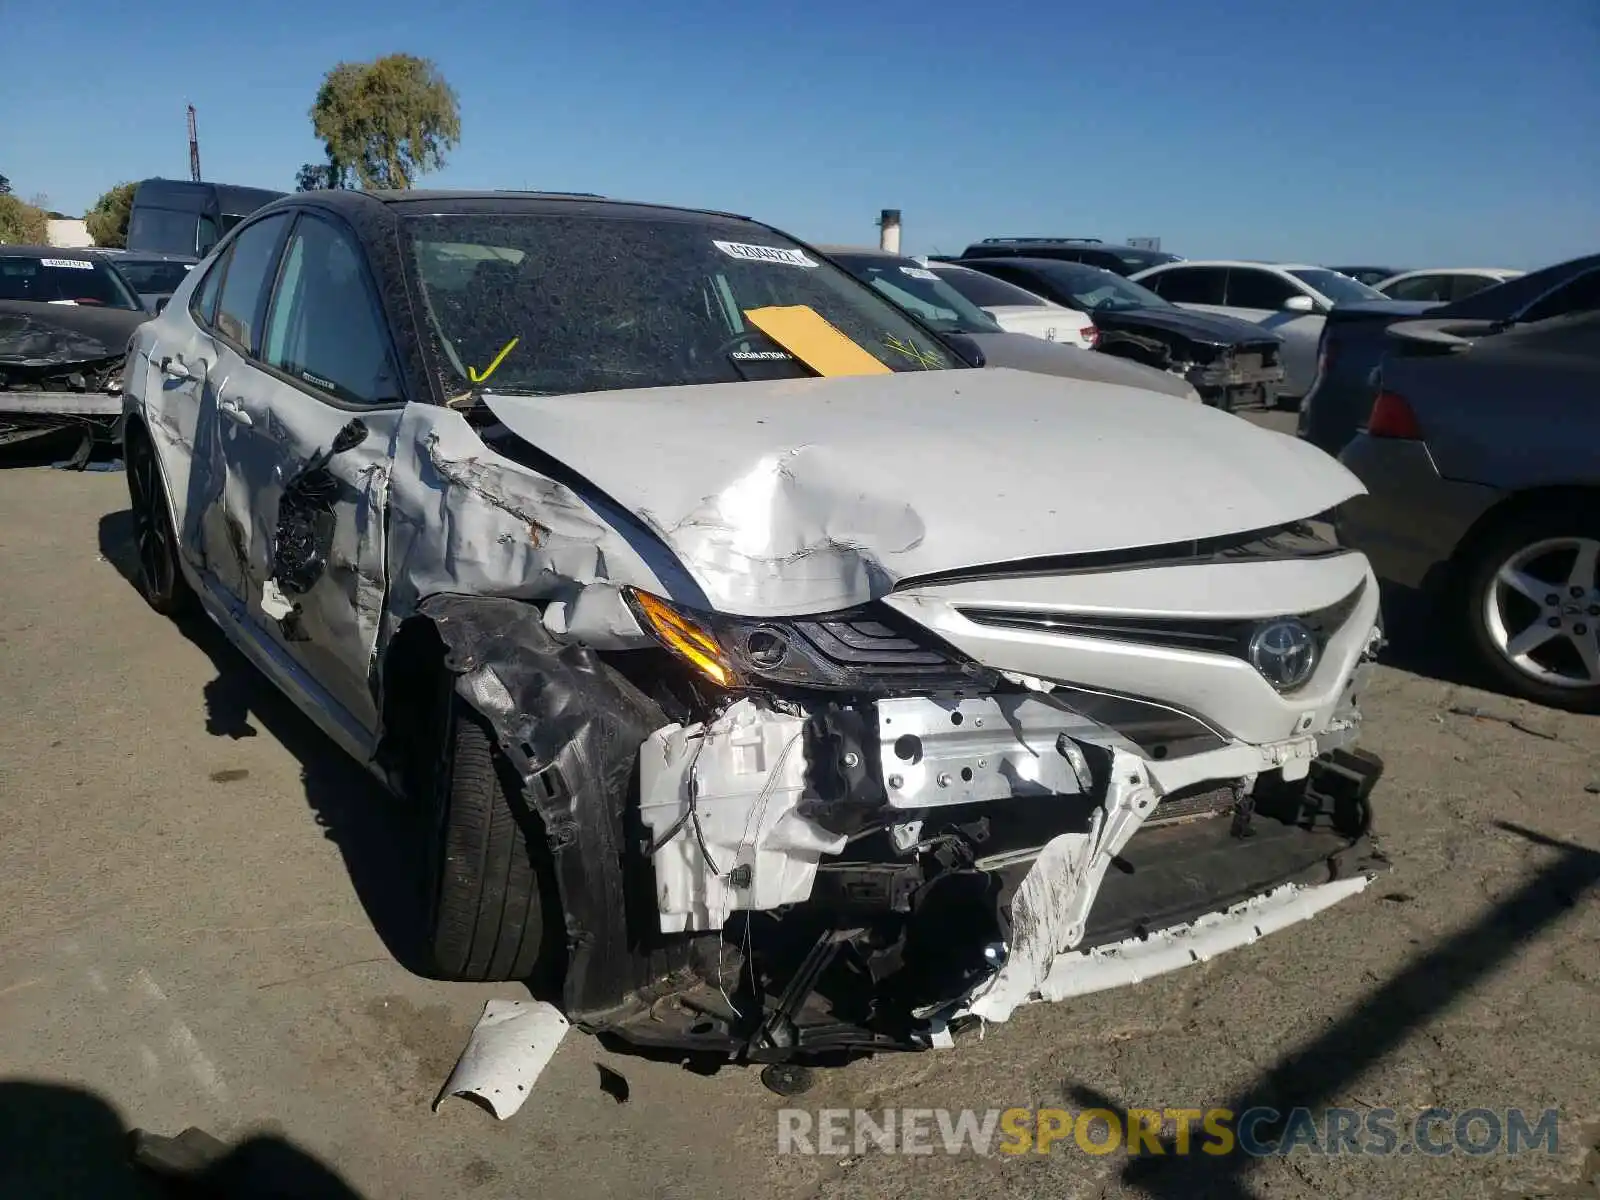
[927,845]
[55,378]
[1230,377]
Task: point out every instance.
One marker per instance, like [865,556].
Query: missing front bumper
[888,953]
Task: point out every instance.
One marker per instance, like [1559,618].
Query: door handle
[230,407]
[174,368]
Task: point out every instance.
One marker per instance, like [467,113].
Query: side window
[326,328]
[1577,295]
[203,301]
[1191,285]
[1463,286]
[1423,287]
[249,273]
[206,235]
[1258,289]
[1007,273]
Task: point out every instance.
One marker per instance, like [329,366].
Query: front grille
[1229,636]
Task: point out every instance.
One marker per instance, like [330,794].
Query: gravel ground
[203,922]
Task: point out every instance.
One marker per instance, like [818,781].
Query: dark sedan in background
[1481,457]
[1233,364]
[932,299]
[65,320]
[1354,341]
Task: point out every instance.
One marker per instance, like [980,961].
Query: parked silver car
[1291,299]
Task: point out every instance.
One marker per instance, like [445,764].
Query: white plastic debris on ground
[509,1049]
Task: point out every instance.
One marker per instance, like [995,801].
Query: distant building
[69,233]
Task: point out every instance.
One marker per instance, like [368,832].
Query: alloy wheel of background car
[1536,600]
[160,580]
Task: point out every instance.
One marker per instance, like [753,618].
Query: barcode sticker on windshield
[765,254]
[72,264]
[920,273]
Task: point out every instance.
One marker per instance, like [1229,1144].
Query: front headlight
[855,651]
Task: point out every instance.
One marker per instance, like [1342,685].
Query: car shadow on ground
[380,841]
[1320,1073]
[1423,641]
[62,1141]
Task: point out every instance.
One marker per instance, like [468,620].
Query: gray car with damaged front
[771,682]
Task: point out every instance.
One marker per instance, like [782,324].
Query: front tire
[489,862]
[158,576]
[1532,605]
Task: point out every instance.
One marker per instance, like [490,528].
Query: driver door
[315,409]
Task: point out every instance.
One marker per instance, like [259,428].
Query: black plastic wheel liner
[572,728]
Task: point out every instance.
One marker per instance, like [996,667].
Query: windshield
[920,292]
[1095,290]
[63,281]
[543,303]
[988,291]
[153,276]
[1341,289]
[170,231]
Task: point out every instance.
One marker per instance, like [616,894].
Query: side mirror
[1300,304]
[161,304]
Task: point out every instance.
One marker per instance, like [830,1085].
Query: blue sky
[1428,131]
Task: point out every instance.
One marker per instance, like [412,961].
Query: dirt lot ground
[203,917]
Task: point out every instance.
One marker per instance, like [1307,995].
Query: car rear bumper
[1411,520]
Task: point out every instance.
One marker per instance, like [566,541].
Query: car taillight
[1392,418]
[1091,336]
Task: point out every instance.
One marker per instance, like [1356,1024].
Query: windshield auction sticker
[765,254]
[71,264]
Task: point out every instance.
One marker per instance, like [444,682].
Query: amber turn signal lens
[683,637]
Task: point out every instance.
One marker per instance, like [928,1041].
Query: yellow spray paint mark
[806,334]
[472,373]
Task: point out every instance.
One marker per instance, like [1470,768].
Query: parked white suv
[1291,299]
[775,684]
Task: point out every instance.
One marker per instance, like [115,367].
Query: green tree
[387,121]
[21,224]
[313,177]
[108,219]
[5,186]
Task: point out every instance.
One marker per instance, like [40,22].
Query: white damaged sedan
[772,685]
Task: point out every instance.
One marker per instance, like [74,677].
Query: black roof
[79,253]
[1047,241]
[1023,260]
[351,201]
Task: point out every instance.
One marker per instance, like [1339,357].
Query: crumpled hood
[812,495]
[1212,329]
[52,335]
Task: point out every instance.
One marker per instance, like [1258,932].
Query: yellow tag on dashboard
[804,333]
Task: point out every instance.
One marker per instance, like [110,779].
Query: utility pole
[194,148]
